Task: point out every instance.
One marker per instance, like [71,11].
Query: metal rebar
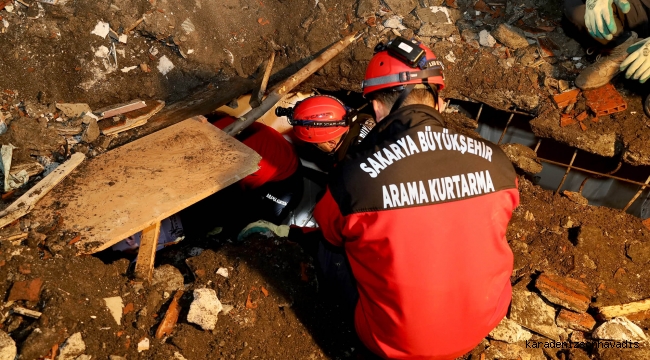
[539,142]
[592,172]
[567,171]
[636,196]
[505,128]
[582,185]
[480,110]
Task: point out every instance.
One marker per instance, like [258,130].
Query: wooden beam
[26,203]
[258,94]
[147,252]
[610,312]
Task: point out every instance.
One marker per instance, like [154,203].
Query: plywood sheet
[128,189]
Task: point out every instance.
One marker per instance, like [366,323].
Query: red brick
[605,100]
[571,320]
[569,293]
[26,290]
[566,98]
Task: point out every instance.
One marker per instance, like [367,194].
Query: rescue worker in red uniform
[421,212]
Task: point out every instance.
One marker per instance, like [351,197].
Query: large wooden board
[128,189]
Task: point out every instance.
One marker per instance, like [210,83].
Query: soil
[52,58]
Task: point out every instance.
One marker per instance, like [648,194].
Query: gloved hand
[599,17]
[263,227]
[638,62]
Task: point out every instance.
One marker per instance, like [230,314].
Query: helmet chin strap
[402,96]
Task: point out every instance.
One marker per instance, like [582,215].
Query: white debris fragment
[143,345]
[477,13]
[394,22]
[226,309]
[578,65]
[223,272]
[153,51]
[101,29]
[165,65]
[115,306]
[127,69]
[204,309]
[102,52]
[450,57]
[72,348]
[9,8]
[576,58]
[485,39]
[5,23]
[7,347]
[619,329]
[123,38]
[121,52]
[231,57]
[179,356]
[190,51]
[510,332]
[188,26]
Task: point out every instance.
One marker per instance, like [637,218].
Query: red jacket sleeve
[329,218]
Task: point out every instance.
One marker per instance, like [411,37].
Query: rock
[143,345]
[510,36]
[468,35]
[510,332]
[74,110]
[576,197]
[204,309]
[531,312]
[411,22]
[366,8]
[223,272]
[485,39]
[437,30]
[26,290]
[39,343]
[523,157]
[7,347]
[619,329]
[566,292]
[639,252]
[72,348]
[91,133]
[115,306]
[402,7]
[167,277]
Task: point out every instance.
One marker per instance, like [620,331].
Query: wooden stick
[256,98]
[25,203]
[26,312]
[610,312]
[281,90]
[147,252]
[171,317]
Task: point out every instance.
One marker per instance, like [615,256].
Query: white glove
[599,17]
[638,62]
[263,227]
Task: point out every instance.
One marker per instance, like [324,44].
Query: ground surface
[51,56]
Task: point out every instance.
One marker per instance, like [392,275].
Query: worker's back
[423,213]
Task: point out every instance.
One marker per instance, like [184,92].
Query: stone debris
[367,8]
[91,133]
[115,306]
[73,110]
[503,350]
[402,7]
[531,312]
[566,292]
[204,309]
[575,321]
[223,272]
[72,348]
[165,65]
[619,329]
[510,332]
[485,39]
[7,347]
[523,158]
[168,278]
[179,356]
[101,29]
[639,252]
[510,36]
[394,22]
[143,345]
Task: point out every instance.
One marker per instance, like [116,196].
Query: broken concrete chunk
[7,347]
[437,30]
[639,252]
[575,321]
[91,133]
[485,39]
[510,36]
[619,329]
[168,278]
[39,343]
[576,197]
[101,29]
[502,350]
[402,7]
[522,157]
[204,309]
[510,332]
[531,312]
[394,22]
[566,292]
[165,65]
[73,110]
[223,272]
[366,8]
[143,345]
[115,306]
[72,347]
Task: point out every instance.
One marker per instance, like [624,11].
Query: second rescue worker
[421,212]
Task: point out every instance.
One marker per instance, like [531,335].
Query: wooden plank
[610,312]
[118,109]
[26,203]
[132,119]
[128,189]
[147,252]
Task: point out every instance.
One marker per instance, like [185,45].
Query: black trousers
[635,20]
[233,208]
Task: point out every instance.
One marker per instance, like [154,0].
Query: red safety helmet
[318,119]
[390,66]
